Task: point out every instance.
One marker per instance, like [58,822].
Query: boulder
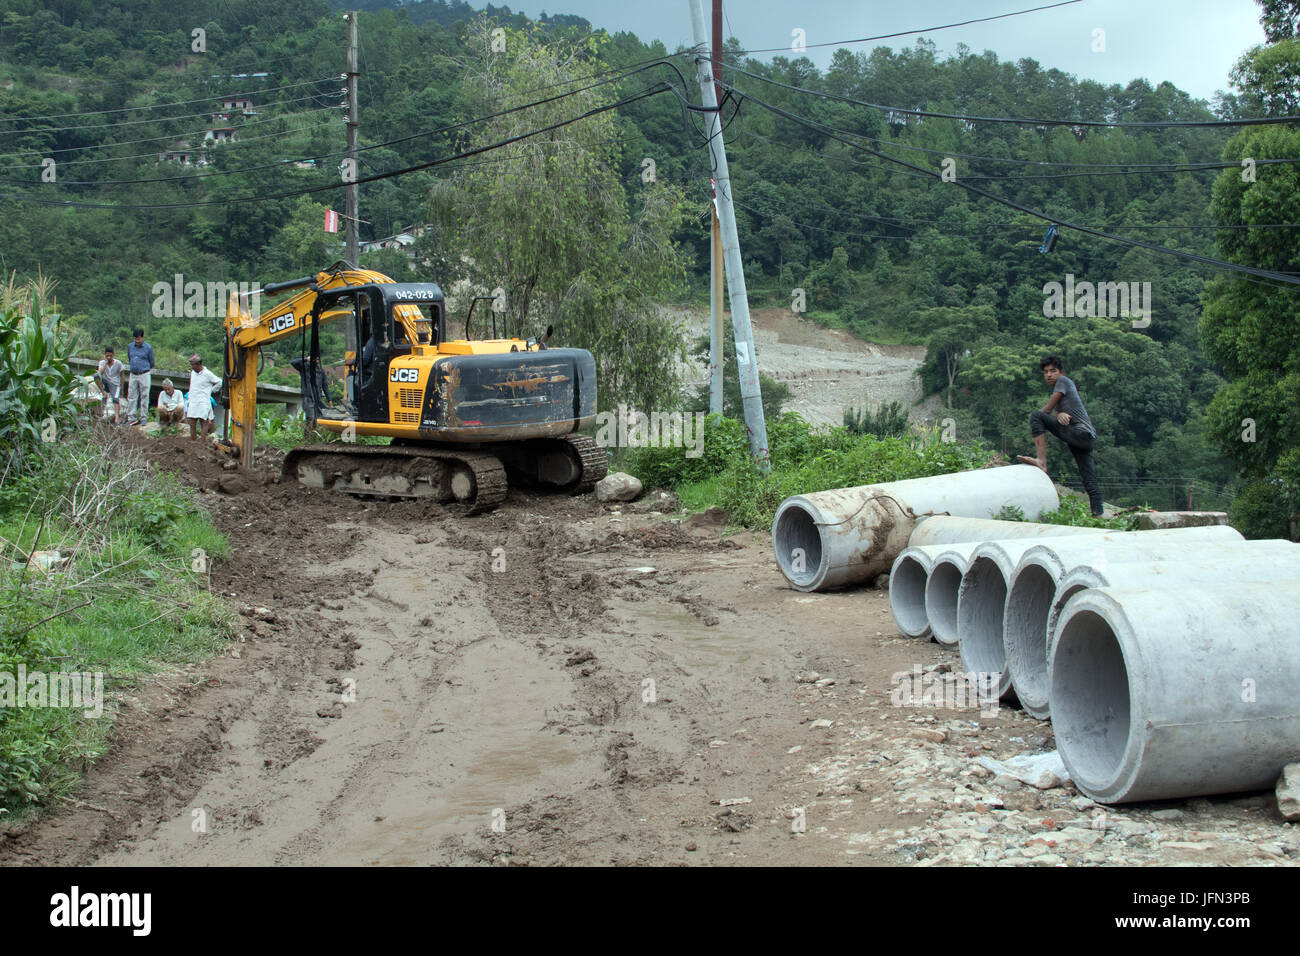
[619,486]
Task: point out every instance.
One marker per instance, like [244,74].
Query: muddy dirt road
[563,681]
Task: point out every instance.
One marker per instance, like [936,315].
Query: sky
[1191,43]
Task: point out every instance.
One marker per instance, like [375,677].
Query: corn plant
[36,380]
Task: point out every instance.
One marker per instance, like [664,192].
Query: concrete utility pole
[351,197]
[746,365]
[717,355]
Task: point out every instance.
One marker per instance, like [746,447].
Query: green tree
[553,226]
[1252,329]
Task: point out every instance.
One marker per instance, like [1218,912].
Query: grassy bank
[127,596]
[807,458]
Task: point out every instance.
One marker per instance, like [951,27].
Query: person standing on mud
[199,403]
[139,358]
[1066,418]
[110,383]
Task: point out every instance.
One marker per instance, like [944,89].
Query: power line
[904,33]
[623,74]
[1019,120]
[157,119]
[1087,230]
[239,142]
[644,94]
[152,106]
[1119,225]
[154,139]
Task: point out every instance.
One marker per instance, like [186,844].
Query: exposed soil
[627,687]
[827,369]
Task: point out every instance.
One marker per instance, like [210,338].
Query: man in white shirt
[110,383]
[199,400]
[171,405]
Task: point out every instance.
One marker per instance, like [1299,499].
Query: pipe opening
[941,601]
[907,596]
[798,544]
[1090,698]
[981,596]
[1028,605]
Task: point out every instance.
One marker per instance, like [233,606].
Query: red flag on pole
[331,220]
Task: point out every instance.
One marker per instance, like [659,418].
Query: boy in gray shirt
[1066,418]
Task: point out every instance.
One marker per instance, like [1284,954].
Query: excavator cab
[389,322]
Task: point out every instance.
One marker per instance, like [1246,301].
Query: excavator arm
[247,334]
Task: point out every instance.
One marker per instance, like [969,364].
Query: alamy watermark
[1086,300]
[629,428]
[201,300]
[952,691]
[79,690]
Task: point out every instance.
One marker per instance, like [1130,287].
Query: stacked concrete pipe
[908,580]
[1198,566]
[1157,695]
[836,538]
[947,543]
[986,606]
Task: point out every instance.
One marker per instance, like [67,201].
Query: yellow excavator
[465,416]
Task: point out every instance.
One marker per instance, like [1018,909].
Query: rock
[825,682]
[820,724]
[713,517]
[808,677]
[690,847]
[232,485]
[926,733]
[1288,792]
[619,486]
[1167,815]
[881,583]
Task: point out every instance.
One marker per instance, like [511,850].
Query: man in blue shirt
[1066,418]
[139,358]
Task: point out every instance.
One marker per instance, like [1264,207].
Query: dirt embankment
[827,370]
[562,681]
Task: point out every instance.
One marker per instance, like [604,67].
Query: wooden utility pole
[746,363]
[351,192]
[717,354]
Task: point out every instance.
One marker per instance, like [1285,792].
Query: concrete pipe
[1197,566]
[908,579]
[835,538]
[1154,698]
[986,606]
[942,529]
[941,589]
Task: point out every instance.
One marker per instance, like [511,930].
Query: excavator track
[595,463]
[470,478]
[572,463]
